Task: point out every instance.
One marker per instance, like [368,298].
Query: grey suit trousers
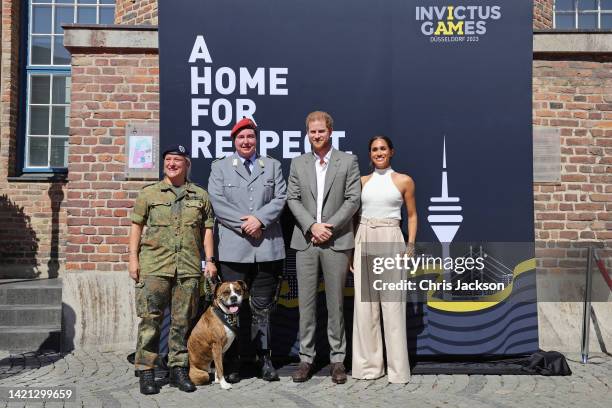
[335,266]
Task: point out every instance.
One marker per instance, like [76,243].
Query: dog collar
[229,320]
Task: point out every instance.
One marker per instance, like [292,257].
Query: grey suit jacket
[234,194]
[341,199]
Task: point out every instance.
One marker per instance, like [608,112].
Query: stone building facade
[75,225]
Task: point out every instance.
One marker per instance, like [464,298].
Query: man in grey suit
[323,194]
[248,194]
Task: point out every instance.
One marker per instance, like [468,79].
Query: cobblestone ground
[107,380]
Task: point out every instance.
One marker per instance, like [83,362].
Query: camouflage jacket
[172,240]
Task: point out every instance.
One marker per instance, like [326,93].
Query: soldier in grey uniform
[248,195]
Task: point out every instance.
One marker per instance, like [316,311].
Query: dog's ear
[244,287]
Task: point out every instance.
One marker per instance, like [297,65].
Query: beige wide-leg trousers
[367,335]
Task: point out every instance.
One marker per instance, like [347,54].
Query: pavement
[106,379]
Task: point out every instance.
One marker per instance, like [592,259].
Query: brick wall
[9,86]
[136,12]
[108,92]
[575,95]
[542,14]
[32,233]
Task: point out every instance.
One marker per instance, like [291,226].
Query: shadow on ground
[20,363]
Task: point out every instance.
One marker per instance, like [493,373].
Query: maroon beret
[244,123]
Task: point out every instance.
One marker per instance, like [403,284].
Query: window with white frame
[583,14]
[48,77]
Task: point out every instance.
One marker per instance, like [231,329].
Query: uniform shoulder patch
[150,185]
[270,158]
[197,185]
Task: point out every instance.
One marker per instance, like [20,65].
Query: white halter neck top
[380,198]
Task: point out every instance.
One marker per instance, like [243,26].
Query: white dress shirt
[321,171]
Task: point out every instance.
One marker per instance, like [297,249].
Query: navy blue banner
[450,84]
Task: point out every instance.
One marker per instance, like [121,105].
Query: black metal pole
[586,317]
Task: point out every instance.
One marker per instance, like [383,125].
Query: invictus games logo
[456,23]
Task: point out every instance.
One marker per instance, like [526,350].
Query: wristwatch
[211,259]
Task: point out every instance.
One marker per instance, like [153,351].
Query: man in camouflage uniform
[166,264]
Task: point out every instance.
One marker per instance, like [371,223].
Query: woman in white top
[384,191]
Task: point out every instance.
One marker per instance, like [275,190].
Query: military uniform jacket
[172,241]
[234,194]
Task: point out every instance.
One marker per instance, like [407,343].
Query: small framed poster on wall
[142,150]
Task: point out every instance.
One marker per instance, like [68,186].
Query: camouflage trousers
[153,294]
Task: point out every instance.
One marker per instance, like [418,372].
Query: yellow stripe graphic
[487,301]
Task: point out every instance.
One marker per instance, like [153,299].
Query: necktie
[247,166]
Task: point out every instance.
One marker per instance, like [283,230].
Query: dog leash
[208,288]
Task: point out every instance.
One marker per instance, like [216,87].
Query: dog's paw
[225,385]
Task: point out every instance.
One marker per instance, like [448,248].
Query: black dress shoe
[179,377]
[268,372]
[233,377]
[147,382]
[231,369]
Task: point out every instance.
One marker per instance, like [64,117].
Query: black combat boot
[148,385]
[179,377]
[268,372]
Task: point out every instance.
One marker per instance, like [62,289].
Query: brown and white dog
[215,332]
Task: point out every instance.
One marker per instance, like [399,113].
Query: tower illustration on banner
[445,214]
